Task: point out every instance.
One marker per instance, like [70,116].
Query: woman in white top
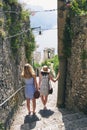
[44,78]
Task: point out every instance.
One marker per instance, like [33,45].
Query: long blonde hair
[28,71]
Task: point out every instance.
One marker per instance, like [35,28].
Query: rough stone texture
[76,82]
[72,90]
[48,53]
[62,61]
[10,79]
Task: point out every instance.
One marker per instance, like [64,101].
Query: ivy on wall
[1,21]
[17,22]
[1,5]
[67,37]
[1,126]
[79,7]
[76,8]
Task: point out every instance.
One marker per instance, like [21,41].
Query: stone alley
[51,119]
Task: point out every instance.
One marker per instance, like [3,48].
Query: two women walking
[31,85]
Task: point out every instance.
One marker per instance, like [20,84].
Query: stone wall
[62,60]
[76,81]
[48,53]
[10,82]
[72,84]
[10,78]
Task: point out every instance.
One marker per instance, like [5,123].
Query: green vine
[1,126]
[2,33]
[1,21]
[30,46]
[54,61]
[67,38]
[17,23]
[12,1]
[1,5]
[79,7]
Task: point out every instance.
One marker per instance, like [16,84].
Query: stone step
[73,125]
[77,124]
[64,111]
[55,120]
[73,116]
[50,127]
[84,128]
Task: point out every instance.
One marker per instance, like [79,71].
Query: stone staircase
[58,119]
[51,119]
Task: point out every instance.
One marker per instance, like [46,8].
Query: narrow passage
[42,118]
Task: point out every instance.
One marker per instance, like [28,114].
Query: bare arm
[35,82]
[58,75]
[39,80]
[54,79]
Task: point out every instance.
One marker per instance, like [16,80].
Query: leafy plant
[56,64]
[1,126]
[1,21]
[79,7]
[24,15]
[54,61]
[13,1]
[1,5]
[2,33]
[67,37]
[17,23]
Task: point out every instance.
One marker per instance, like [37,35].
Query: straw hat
[45,69]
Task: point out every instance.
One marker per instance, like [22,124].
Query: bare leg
[28,105]
[44,100]
[34,104]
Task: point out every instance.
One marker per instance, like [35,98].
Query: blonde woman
[30,86]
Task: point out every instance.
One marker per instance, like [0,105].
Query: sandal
[45,108]
[34,113]
[29,113]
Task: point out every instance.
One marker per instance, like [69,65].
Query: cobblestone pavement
[50,119]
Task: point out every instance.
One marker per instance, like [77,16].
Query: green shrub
[13,1]
[1,5]
[54,61]
[1,126]
[79,7]
[2,33]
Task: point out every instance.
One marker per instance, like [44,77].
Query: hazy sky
[48,37]
[47,4]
